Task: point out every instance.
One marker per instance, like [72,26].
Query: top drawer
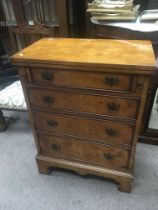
[82,79]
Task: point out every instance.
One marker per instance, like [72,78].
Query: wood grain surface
[89,129]
[86,99]
[113,157]
[91,52]
[84,103]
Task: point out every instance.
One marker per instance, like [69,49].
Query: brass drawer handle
[111,80]
[111,132]
[52,123]
[113,107]
[108,156]
[55,147]
[48,99]
[47,76]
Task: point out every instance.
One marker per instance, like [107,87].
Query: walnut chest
[86,99]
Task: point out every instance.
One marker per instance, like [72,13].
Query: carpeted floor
[23,188]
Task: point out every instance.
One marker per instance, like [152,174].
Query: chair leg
[3,125]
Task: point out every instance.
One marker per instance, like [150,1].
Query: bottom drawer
[91,153]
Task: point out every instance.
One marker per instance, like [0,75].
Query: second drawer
[84,103]
[101,130]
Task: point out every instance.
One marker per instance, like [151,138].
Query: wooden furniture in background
[86,103]
[30,20]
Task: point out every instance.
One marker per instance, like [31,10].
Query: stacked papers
[113,10]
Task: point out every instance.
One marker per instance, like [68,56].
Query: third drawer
[111,132]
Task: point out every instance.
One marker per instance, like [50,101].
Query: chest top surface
[134,54]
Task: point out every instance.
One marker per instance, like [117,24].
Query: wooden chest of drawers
[86,100]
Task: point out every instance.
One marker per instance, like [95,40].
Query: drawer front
[85,103]
[107,131]
[81,79]
[87,152]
